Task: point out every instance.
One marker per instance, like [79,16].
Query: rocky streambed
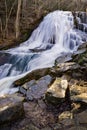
[49,99]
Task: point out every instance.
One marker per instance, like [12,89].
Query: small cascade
[54,36]
[81,21]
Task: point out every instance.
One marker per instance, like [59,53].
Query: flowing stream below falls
[55,35]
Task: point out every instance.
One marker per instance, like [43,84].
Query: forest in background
[18,18]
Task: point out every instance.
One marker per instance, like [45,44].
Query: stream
[55,36]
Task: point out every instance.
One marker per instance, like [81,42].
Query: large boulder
[57,91]
[35,89]
[11,108]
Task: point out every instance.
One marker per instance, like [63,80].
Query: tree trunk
[1,30]
[6,21]
[17,22]
[24,5]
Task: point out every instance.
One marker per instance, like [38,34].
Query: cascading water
[55,35]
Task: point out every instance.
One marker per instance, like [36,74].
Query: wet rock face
[4,58]
[64,58]
[56,92]
[35,74]
[81,21]
[11,108]
[35,89]
[83,17]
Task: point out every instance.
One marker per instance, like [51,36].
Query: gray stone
[65,57]
[42,104]
[22,90]
[37,89]
[82,117]
[29,84]
[11,108]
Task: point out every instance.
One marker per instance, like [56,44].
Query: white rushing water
[55,35]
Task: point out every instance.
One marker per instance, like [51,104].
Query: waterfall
[55,35]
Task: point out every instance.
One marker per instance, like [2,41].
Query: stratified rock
[56,93]
[64,67]
[81,97]
[78,90]
[11,108]
[68,66]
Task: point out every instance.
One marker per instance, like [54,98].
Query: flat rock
[11,108]
[37,89]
